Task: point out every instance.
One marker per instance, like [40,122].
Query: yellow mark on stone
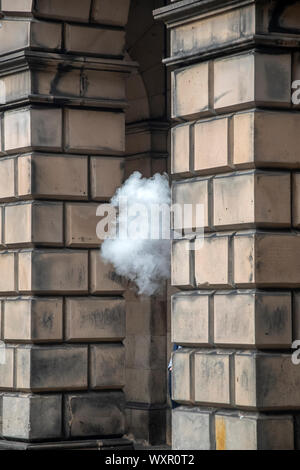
[220,434]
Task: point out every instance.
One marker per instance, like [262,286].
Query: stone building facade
[91,90]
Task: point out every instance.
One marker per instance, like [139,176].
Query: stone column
[62,140]
[235,149]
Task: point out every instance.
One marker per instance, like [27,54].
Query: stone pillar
[235,149]
[62,140]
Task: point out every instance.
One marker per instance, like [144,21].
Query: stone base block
[89,444]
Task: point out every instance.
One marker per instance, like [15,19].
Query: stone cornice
[25,59]
[185,9]
[56,64]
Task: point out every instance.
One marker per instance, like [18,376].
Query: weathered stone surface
[103,279]
[145,351]
[182,372]
[266,381]
[253,319]
[211,145]
[38,271]
[249,431]
[190,319]
[72,10]
[33,319]
[195,194]
[22,417]
[257,204]
[190,91]
[149,425]
[212,377]
[96,41]
[23,34]
[32,128]
[22,6]
[212,32]
[266,259]
[247,79]
[81,224]
[111,12]
[83,132]
[7,179]
[94,414]
[258,139]
[107,175]
[42,368]
[211,262]
[33,223]
[181,264]
[145,315]
[107,366]
[51,176]
[95,319]
[6,367]
[7,266]
[145,386]
[191,428]
[181,149]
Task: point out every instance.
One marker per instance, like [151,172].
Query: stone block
[147,425]
[111,12]
[194,193]
[180,137]
[145,315]
[98,414]
[266,381]
[22,417]
[42,368]
[52,176]
[106,175]
[107,366]
[95,132]
[33,320]
[53,272]
[7,266]
[81,224]
[211,262]
[7,179]
[23,34]
[191,319]
[212,377]
[253,319]
[258,139]
[32,128]
[250,431]
[257,204]
[247,80]
[145,351]
[33,223]
[104,279]
[68,10]
[211,146]
[95,319]
[7,363]
[145,386]
[96,41]
[208,33]
[266,259]
[192,428]
[296,199]
[183,376]
[190,91]
[181,264]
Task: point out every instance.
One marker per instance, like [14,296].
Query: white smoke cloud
[137,256]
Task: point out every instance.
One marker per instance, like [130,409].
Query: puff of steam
[141,259]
